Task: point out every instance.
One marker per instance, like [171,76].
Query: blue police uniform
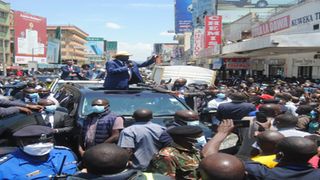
[19,165]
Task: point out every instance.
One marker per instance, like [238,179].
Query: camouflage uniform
[177,162]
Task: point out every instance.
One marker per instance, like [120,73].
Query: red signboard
[213,30]
[30,38]
[271,26]
[237,63]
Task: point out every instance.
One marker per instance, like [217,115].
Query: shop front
[236,67]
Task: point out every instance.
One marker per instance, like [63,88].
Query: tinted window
[126,104]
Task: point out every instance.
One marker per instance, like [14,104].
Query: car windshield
[126,104]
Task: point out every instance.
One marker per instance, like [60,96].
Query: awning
[273,45]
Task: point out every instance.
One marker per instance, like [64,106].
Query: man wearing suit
[57,120]
[70,72]
[121,71]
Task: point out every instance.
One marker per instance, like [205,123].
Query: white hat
[121,53]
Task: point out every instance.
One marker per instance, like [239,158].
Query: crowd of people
[279,141]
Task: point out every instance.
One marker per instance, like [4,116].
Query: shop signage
[213,31]
[237,63]
[198,41]
[306,62]
[306,19]
[271,26]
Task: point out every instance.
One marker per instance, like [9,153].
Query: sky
[135,24]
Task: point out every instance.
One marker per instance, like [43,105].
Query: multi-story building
[73,41]
[4,34]
[286,44]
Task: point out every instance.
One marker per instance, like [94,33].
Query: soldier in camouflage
[181,159]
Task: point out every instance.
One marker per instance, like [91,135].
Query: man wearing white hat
[121,71]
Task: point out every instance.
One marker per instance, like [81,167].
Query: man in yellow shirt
[267,142]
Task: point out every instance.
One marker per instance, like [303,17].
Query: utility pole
[4,58]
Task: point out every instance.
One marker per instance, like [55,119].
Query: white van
[193,74]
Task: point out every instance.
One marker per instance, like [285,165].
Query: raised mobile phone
[241,123]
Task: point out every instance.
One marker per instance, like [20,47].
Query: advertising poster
[213,31]
[95,46]
[30,38]
[183,16]
[200,9]
[53,51]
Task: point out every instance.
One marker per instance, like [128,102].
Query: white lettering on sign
[271,26]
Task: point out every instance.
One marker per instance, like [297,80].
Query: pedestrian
[101,126]
[86,72]
[267,142]
[45,93]
[220,166]
[8,107]
[181,159]
[141,140]
[110,162]
[236,109]
[294,154]
[121,72]
[183,118]
[37,157]
[59,121]
[70,71]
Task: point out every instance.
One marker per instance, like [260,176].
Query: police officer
[37,157]
[181,159]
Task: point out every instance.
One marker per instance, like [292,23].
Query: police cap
[33,131]
[186,115]
[185,131]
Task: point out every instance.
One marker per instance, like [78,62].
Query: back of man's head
[296,150]
[142,115]
[238,97]
[270,110]
[268,140]
[286,121]
[222,166]
[105,159]
[304,109]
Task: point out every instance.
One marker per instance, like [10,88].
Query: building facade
[4,34]
[287,44]
[73,43]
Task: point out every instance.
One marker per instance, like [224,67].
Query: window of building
[316,27]
[3,15]
[305,71]
[3,29]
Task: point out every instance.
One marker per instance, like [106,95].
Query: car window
[126,104]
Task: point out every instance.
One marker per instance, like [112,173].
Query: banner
[213,31]
[183,16]
[198,41]
[30,38]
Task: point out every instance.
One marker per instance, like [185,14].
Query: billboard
[258,3]
[232,10]
[183,16]
[200,9]
[95,46]
[53,51]
[30,38]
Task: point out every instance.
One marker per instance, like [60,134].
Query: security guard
[37,157]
